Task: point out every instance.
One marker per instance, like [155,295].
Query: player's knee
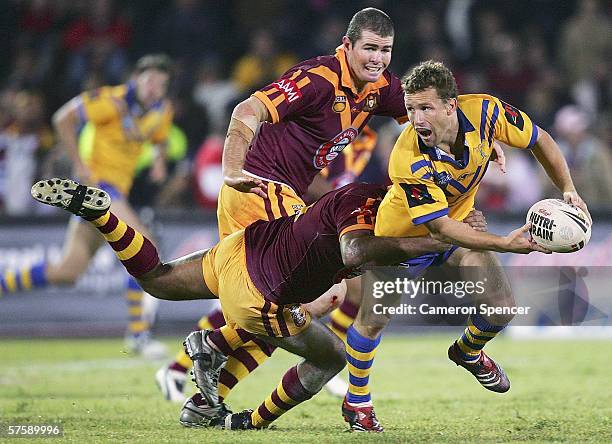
[63,276]
[372,325]
[478,259]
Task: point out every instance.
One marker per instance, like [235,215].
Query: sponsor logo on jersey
[289,89]
[339,104]
[330,150]
[417,194]
[513,115]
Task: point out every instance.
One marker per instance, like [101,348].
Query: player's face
[151,86]
[430,116]
[368,57]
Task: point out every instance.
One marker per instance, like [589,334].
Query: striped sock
[342,318]
[182,362]
[289,393]
[226,339]
[475,336]
[212,320]
[27,278]
[134,295]
[240,363]
[137,254]
[360,353]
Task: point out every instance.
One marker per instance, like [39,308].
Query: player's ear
[346,43]
[451,105]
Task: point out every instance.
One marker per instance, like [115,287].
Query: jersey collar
[347,81]
[131,99]
[465,126]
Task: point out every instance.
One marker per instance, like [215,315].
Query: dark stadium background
[541,56]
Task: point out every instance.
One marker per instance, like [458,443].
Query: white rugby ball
[559,226]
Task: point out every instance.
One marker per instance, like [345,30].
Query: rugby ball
[559,226]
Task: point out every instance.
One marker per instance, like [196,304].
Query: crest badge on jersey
[298,315]
[371,103]
[339,104]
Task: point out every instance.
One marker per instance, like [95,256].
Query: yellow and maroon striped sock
[342,318]
[226,339]
[241,363]
[289,393]
[137,254]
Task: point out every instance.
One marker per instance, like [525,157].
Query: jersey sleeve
[96,106]
[512,126]
[424,200]
[392,101]
[355,212]
[289,96]
[162,133]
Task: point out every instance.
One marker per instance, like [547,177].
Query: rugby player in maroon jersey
[261,275]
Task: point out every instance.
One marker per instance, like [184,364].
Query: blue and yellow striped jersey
[429,183]
[121,129]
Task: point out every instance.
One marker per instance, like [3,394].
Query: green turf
[561,392]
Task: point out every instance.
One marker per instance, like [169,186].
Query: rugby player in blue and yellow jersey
[124,117]
[436,167]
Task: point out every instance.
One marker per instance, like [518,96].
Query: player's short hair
[431,74]
[159,62]
[370,19]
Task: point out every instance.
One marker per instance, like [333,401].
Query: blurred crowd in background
[551,59]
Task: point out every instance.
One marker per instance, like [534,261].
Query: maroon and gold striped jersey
[296,259]
[316,112]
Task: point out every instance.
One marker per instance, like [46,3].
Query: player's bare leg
[80,245]
[181,279]
[467,351]
[142,307]
[171,377]
[323,354]
[343,299]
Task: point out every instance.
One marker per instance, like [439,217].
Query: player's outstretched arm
[548,154]
[246,117]
[361,247]
[457,233]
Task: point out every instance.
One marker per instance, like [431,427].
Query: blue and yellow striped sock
[475,336]
[25,279]
[360,353]
[134,295]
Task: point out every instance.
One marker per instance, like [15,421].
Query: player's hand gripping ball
[559,226]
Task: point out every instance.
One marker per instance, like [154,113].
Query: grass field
[561,392]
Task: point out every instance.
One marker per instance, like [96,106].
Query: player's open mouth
[423,132]
[373,69]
